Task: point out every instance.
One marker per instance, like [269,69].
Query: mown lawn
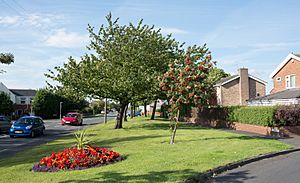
[149,157]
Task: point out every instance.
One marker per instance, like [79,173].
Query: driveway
[10,146]
[280,169]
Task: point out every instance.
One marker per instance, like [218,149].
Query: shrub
[287,115]
[256,115]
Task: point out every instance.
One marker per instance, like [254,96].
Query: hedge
[287,115]
[256,115]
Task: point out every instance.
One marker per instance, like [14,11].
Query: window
[278,79]
[290,81]
[23,100]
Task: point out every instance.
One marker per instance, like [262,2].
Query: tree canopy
[215,74]
[6,58]
[123,64]
[6,105]
[46,104]
[186,82]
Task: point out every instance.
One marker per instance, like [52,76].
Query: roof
[227,79]
[285,94]
[284,62]
[23,92]
[234,77]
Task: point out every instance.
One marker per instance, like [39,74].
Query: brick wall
[292,67]
[230,93]
[256,87]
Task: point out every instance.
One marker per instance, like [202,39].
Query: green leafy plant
[186,83]
[82,140]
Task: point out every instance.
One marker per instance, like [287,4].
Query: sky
[254,34]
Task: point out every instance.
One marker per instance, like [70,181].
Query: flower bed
[77,159]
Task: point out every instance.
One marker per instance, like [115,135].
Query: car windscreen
[71,115]
[2,118]
[24,121]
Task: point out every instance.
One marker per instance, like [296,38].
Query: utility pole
[60,107]
[105,111]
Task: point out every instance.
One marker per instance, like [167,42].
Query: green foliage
[186,82]
[97,106]
[215,74]
[122,65]
[6,58]
[6,105]
[46,104]
[82,139]
[287,115]
[256,115]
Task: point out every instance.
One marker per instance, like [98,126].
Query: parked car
[4,124]
[137,113]
[72,118]
[27,126]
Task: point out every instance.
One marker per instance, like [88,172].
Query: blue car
[27,126]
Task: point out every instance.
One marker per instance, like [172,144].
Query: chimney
[244,85]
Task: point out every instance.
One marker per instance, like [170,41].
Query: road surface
[10,146]
[280,169]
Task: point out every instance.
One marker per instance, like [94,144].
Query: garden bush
[287,115]
[256,115]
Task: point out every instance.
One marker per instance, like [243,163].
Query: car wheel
[11,136]
[32,135]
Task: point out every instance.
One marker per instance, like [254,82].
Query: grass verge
[149,156]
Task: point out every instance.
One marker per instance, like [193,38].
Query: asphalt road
[280,169]
[10,146]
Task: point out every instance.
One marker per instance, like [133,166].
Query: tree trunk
[125,113]
[131,110]
[119,123]
[154,109]
[145,109]
[175,128]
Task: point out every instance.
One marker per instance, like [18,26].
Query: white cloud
[62,39]
[36,20]
[9,19]
[172,30]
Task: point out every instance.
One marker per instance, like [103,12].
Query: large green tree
[123,64]
[6,58]
[215,74]
[46,104]
[186,82]
[6,105]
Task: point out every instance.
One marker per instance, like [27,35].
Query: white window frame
[288,81]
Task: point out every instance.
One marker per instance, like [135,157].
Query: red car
[72,118]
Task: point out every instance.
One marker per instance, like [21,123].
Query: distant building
[21,98]
[238,89]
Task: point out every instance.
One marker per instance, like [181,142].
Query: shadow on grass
[166,126]
[153,176]
[234,177]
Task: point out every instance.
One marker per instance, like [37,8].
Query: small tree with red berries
[186,83]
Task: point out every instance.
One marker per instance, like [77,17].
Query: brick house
[21,98]
[286,83]
[238,89]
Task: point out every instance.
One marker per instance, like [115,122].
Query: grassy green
[149,157]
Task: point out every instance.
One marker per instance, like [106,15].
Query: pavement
[10,146]
[279,169]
